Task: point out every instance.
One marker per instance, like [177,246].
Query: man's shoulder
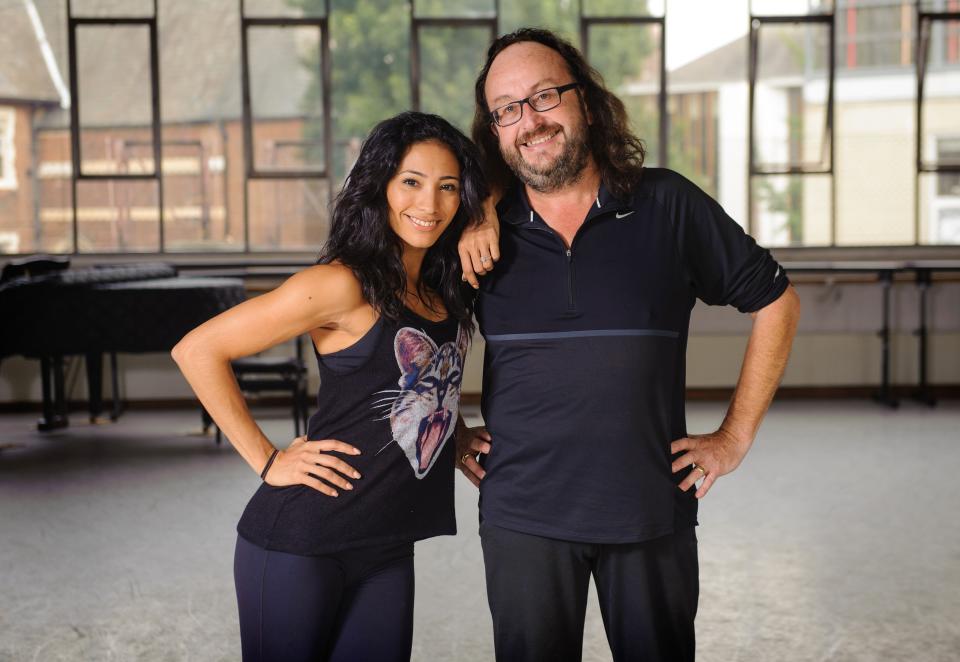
[510,204]
[663,184]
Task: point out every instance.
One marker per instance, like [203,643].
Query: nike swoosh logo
[619,215]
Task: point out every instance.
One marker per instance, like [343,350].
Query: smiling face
[545,150]
[424,194]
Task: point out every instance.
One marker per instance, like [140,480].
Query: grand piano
[49,311]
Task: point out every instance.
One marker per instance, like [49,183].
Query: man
[585,467]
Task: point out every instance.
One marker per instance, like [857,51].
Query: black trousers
[537,590]
[344,607]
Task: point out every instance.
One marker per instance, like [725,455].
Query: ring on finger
[484,259]
[463,458]
[699,468]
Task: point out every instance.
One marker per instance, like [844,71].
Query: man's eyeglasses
[540,101]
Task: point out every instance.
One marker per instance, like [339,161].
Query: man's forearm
[763,365]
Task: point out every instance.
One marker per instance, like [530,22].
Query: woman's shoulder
[333,283]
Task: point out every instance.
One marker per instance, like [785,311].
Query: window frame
[417,22]
[924,23]
[494,20]
[76,171]
[322,25]
[755,170]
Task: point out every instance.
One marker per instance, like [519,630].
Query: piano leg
[54,400]
[115,386]
[94,362]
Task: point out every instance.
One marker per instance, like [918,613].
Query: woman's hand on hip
[312,463]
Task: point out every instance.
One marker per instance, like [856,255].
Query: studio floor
[837,539]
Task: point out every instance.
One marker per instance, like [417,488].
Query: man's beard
[564,170]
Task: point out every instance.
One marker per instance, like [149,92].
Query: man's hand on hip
[711,456]
[470,443]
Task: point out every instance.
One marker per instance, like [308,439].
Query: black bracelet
[273,456]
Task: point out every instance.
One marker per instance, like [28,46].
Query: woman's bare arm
[321,296]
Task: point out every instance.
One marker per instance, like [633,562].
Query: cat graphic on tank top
[424,412]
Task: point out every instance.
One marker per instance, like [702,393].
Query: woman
[324,556]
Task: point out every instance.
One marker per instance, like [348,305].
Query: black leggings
[355,605]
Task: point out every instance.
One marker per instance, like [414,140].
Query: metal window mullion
[74,120]
[829,129]
[155,116]
[246,127]
[751,107]
[326,73]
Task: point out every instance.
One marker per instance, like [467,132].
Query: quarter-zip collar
[515,207]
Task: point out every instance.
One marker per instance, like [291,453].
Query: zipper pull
[569,254]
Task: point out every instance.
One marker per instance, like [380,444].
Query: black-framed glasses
[540,101]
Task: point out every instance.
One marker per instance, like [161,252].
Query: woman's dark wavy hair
[361,237]
[618,153]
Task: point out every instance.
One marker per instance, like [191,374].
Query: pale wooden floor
[837,539]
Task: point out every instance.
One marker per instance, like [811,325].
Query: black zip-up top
[584,368]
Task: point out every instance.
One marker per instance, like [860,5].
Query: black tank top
[397,402]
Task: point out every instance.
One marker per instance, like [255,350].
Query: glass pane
[628,58]
[286,98]
[791,210]
[937,5]
[29,110]
[561,17]
[15,235]
[284,8]
[694,143]
[113,67]
[940,208]
[288,214]
[875,35]
[56,195]
[708,104]
[876,154]
[195,194]
[118,216]
[450,59]
[941,95]
[790,7]
[454,8]
[111,8]
[790,111]
[203,166]
[623,7]
[371,76]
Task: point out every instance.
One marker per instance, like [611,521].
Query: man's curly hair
[617,152]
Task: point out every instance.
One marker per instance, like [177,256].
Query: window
[851,168]
[8,170]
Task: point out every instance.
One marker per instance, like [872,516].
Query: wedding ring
[463,458]
[484,259]
[699,468]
